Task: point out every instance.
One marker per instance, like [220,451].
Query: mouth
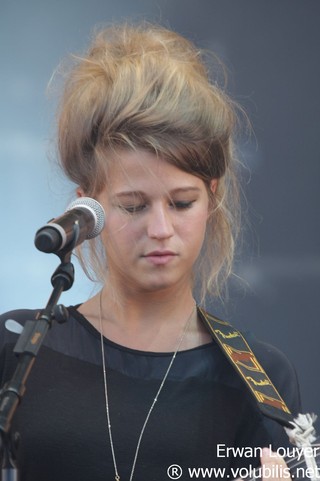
[160,257]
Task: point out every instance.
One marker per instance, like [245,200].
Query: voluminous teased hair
[145,87]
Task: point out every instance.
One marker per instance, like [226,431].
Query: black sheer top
[202,410]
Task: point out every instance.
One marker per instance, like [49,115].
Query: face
[156,217]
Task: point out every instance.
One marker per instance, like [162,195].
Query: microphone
[83,219]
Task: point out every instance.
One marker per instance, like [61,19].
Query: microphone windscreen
[96,209]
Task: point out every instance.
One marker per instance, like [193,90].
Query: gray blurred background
[271,50]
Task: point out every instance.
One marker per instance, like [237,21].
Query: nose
[160,224]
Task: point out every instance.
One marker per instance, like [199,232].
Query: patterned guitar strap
[300,430]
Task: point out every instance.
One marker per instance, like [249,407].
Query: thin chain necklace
[117,477]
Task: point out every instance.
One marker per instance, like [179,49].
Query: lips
[160,257]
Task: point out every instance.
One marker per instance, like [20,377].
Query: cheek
[119,234]
[194,227]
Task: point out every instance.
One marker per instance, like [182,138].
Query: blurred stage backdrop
[271,50]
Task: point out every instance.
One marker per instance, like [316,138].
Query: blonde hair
[145,87]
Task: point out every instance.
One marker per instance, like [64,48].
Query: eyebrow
[139,193]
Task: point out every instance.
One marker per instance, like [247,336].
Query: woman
[133,386]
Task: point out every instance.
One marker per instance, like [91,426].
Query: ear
[213,185]
[80,192]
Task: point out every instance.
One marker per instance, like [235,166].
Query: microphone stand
[26,348]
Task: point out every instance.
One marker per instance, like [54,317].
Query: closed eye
[132,209]
[181,205]
[136,208]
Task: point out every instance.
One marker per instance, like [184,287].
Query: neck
[147,321]
[136,307]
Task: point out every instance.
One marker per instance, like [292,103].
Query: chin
[159,285]
[155,287]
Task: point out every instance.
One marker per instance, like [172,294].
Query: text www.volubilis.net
[175,472]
